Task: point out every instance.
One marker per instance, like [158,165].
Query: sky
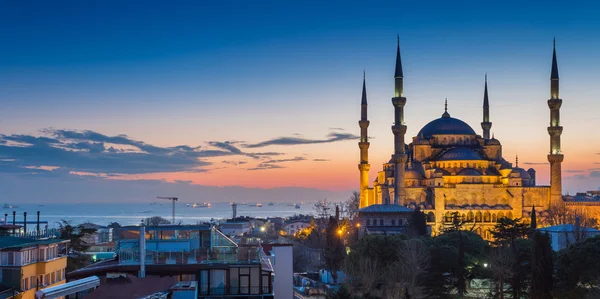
[105,95]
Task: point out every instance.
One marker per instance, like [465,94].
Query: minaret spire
[399,130]
[486,125]
[364,165]
[398,74]
[555,130]
[517,161]
[446,114]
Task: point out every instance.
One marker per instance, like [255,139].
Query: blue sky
[199,74]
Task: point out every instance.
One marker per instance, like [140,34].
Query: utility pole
[173,199]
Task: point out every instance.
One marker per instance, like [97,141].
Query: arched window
[494,218]
[509,215]
[470,216]
[478,217]
[487,217]
[430,217]
[500,215]
[448,217]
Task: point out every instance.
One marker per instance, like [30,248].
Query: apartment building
[27,265]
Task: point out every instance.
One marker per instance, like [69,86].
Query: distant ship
[259,205]
[7,206]
[297,206]
[145,212]
[271,204]
[204,205]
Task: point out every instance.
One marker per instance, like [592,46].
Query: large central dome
[446,125]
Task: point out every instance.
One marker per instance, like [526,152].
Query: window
[368,222]
[399,222]
[393,222]
[32,282]
[380,222]
[25,284]
[52,277]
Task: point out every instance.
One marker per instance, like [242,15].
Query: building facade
[450,168]
[27,265]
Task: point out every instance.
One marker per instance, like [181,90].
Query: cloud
[94,153]
[573,171]
[274,164]
[264,166]
[337,129]
[579,177]
[595,174]
[535,163]
[234,163]
[331,137]
[321,160]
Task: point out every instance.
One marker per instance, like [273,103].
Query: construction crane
[173,199]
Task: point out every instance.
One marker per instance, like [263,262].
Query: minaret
[486,125]
[399,130]
[555,130]
[364,165]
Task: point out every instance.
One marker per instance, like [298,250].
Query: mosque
[449,168]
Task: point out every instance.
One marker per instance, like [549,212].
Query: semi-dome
[459,153]
[469,172]
[520,172]
[446,125]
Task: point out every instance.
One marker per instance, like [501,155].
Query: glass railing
[224,291]
[132,256]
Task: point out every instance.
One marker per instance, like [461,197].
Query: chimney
[14,220]
[142,251]
[38,224]
[25,223]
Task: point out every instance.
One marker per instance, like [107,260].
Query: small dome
[521,173]
[413,174]
[493,141]
[459,154]
[470,172]
[446,126]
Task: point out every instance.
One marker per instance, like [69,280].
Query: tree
[578,270]
[334,250]
[155,221]
[541,266]
[413,264]
[341,293]
[418,223]
[506,233]
[533,219]
[353,205]
[558,213]
[502,264]
[77,247]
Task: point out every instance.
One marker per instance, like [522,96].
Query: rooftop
[568,228]
[385,208]
[7,242]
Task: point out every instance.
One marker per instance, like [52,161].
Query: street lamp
[340,232]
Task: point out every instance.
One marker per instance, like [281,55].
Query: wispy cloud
[331,137]
[234,163]
[337,129]
[535,163]
[274,164]
[321,160]
[595,174]
[95,153]
[574,171]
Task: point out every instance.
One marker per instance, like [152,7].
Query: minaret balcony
[555,131]
[554,104]
[398,101]
[399,129]
[555,158]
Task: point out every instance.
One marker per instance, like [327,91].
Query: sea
[134,213]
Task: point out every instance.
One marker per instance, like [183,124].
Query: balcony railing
[235,291]
[132,256]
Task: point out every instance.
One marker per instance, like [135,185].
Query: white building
[564,235]
[282,260]
[236,228]
[294,227]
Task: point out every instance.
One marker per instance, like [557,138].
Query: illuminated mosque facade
[449,168]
